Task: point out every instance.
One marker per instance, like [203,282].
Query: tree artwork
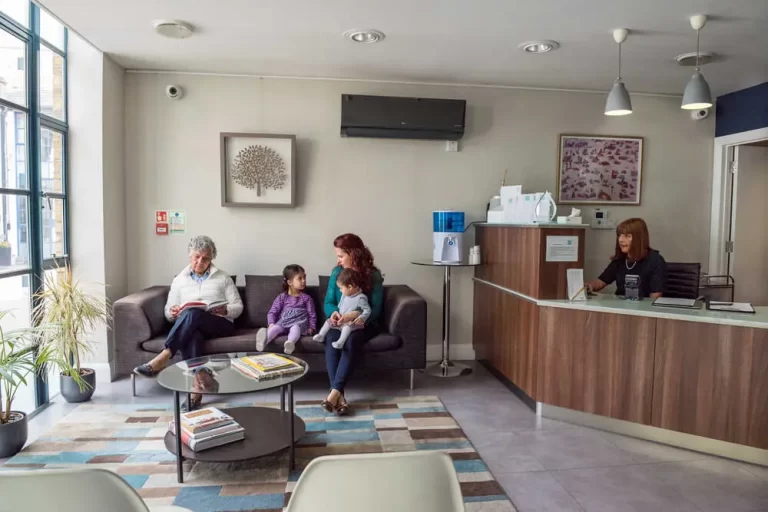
[260,168]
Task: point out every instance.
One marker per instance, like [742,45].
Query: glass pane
[16,9]
[52,160]
[13,65]
[13,144]
[15,297]
[53,227]
[14,233]
[51,83]
[51,30]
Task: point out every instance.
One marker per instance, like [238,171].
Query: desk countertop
[612,304]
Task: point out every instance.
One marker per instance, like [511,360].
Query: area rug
[128,439]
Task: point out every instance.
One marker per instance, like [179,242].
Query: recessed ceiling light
[365,36]
[539,46]
[174,29]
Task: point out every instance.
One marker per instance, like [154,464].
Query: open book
[206,306]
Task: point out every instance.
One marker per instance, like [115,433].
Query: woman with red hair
[634,257]
[353,254]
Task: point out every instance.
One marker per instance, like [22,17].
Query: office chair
[683,280]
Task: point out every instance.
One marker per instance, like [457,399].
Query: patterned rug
[128,439]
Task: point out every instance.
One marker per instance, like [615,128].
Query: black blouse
[652,271]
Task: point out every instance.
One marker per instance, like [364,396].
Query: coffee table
[267,430]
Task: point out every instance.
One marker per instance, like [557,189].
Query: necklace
[627,265]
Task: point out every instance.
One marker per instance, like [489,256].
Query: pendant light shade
[697,94]
[618,102]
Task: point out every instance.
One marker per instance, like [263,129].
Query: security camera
[698,115]
[175,92]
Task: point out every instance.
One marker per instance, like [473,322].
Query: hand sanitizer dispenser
[447,236]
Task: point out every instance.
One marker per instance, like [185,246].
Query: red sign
[161,228]
[161,215]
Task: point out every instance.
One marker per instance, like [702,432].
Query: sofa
[140,328]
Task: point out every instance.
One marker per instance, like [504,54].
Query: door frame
[720,219]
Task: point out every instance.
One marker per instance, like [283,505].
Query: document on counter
[670,302]
[576,289]
[731,307]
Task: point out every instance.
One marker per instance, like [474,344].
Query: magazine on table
[269,362]
[209,438]
[205,306]
[254,373]
[205,419]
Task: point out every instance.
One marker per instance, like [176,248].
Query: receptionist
[634,258]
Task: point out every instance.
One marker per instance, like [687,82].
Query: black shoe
[145,370]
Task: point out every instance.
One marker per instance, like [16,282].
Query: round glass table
[446,367]
[267,430]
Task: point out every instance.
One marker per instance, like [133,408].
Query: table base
[447,369]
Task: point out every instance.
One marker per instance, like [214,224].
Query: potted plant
[21,356]
[72,314]
[5,253]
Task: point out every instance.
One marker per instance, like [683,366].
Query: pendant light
[697,94]
[619,102]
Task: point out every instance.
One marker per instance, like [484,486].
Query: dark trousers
[341,362]
[192,328]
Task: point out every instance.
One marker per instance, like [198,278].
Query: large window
[33,156]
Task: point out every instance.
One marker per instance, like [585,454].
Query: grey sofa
[140,327]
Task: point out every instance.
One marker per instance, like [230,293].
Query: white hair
[202,243]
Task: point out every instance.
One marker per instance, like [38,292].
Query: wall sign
[562,248]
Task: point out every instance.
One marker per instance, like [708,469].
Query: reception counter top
[612,304]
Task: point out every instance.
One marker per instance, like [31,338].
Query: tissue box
[569,220]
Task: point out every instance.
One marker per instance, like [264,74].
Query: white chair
[423,481]
[70,490]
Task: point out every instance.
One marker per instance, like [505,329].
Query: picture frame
[599,169]
[258,170]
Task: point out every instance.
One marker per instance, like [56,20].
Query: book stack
[266,366]
[207,428]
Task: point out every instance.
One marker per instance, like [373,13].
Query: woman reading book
[203,283]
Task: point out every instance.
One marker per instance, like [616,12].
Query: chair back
[420,481]
[68,490]
[682,280]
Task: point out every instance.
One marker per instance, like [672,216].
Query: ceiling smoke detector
[364,36]
[539,46]
[689,59]
[173,29]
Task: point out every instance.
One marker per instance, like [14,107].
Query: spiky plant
[21,354]
[73,313]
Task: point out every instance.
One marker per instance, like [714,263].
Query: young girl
[293,312]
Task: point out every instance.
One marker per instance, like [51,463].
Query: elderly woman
[200,281]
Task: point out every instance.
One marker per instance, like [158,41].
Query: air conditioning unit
[387,117]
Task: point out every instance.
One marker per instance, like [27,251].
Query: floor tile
[714,485]
[573,448]
[758,471]
[621,489]
[538,492]
[644,452]
[506,453]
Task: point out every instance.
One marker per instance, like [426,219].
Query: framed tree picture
[258,170]
[595,169]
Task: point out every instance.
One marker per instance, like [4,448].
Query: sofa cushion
[260,293]
[244,340]
[306,344]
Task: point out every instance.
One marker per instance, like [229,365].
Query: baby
[352,299]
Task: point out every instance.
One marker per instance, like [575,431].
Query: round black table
[267,430]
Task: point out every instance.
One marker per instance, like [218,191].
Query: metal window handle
[46,195]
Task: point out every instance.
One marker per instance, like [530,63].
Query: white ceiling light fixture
[619,103]
[173,29]
[365,35]
[697,94]
[539,46]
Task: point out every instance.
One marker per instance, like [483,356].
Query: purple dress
[287,311]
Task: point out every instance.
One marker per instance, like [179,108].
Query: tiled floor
[544,465]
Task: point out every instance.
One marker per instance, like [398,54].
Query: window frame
[36,122]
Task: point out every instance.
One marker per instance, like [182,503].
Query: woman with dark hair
[634,257]
[353,254]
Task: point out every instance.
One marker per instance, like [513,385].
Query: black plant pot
[13,435]
[71,391]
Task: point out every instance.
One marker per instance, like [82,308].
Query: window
[33,171]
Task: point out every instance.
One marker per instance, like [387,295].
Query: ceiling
[440,41]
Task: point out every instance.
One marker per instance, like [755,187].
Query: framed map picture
[593,169]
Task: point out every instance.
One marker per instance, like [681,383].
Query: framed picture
[593,169]
[258,170]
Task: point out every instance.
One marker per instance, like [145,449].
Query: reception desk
[691,378]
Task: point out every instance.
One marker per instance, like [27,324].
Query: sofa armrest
[405,315]
[137,318]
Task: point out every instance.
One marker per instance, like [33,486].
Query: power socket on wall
[452,146]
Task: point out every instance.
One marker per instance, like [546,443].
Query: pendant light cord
[618,78]
[698,31]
